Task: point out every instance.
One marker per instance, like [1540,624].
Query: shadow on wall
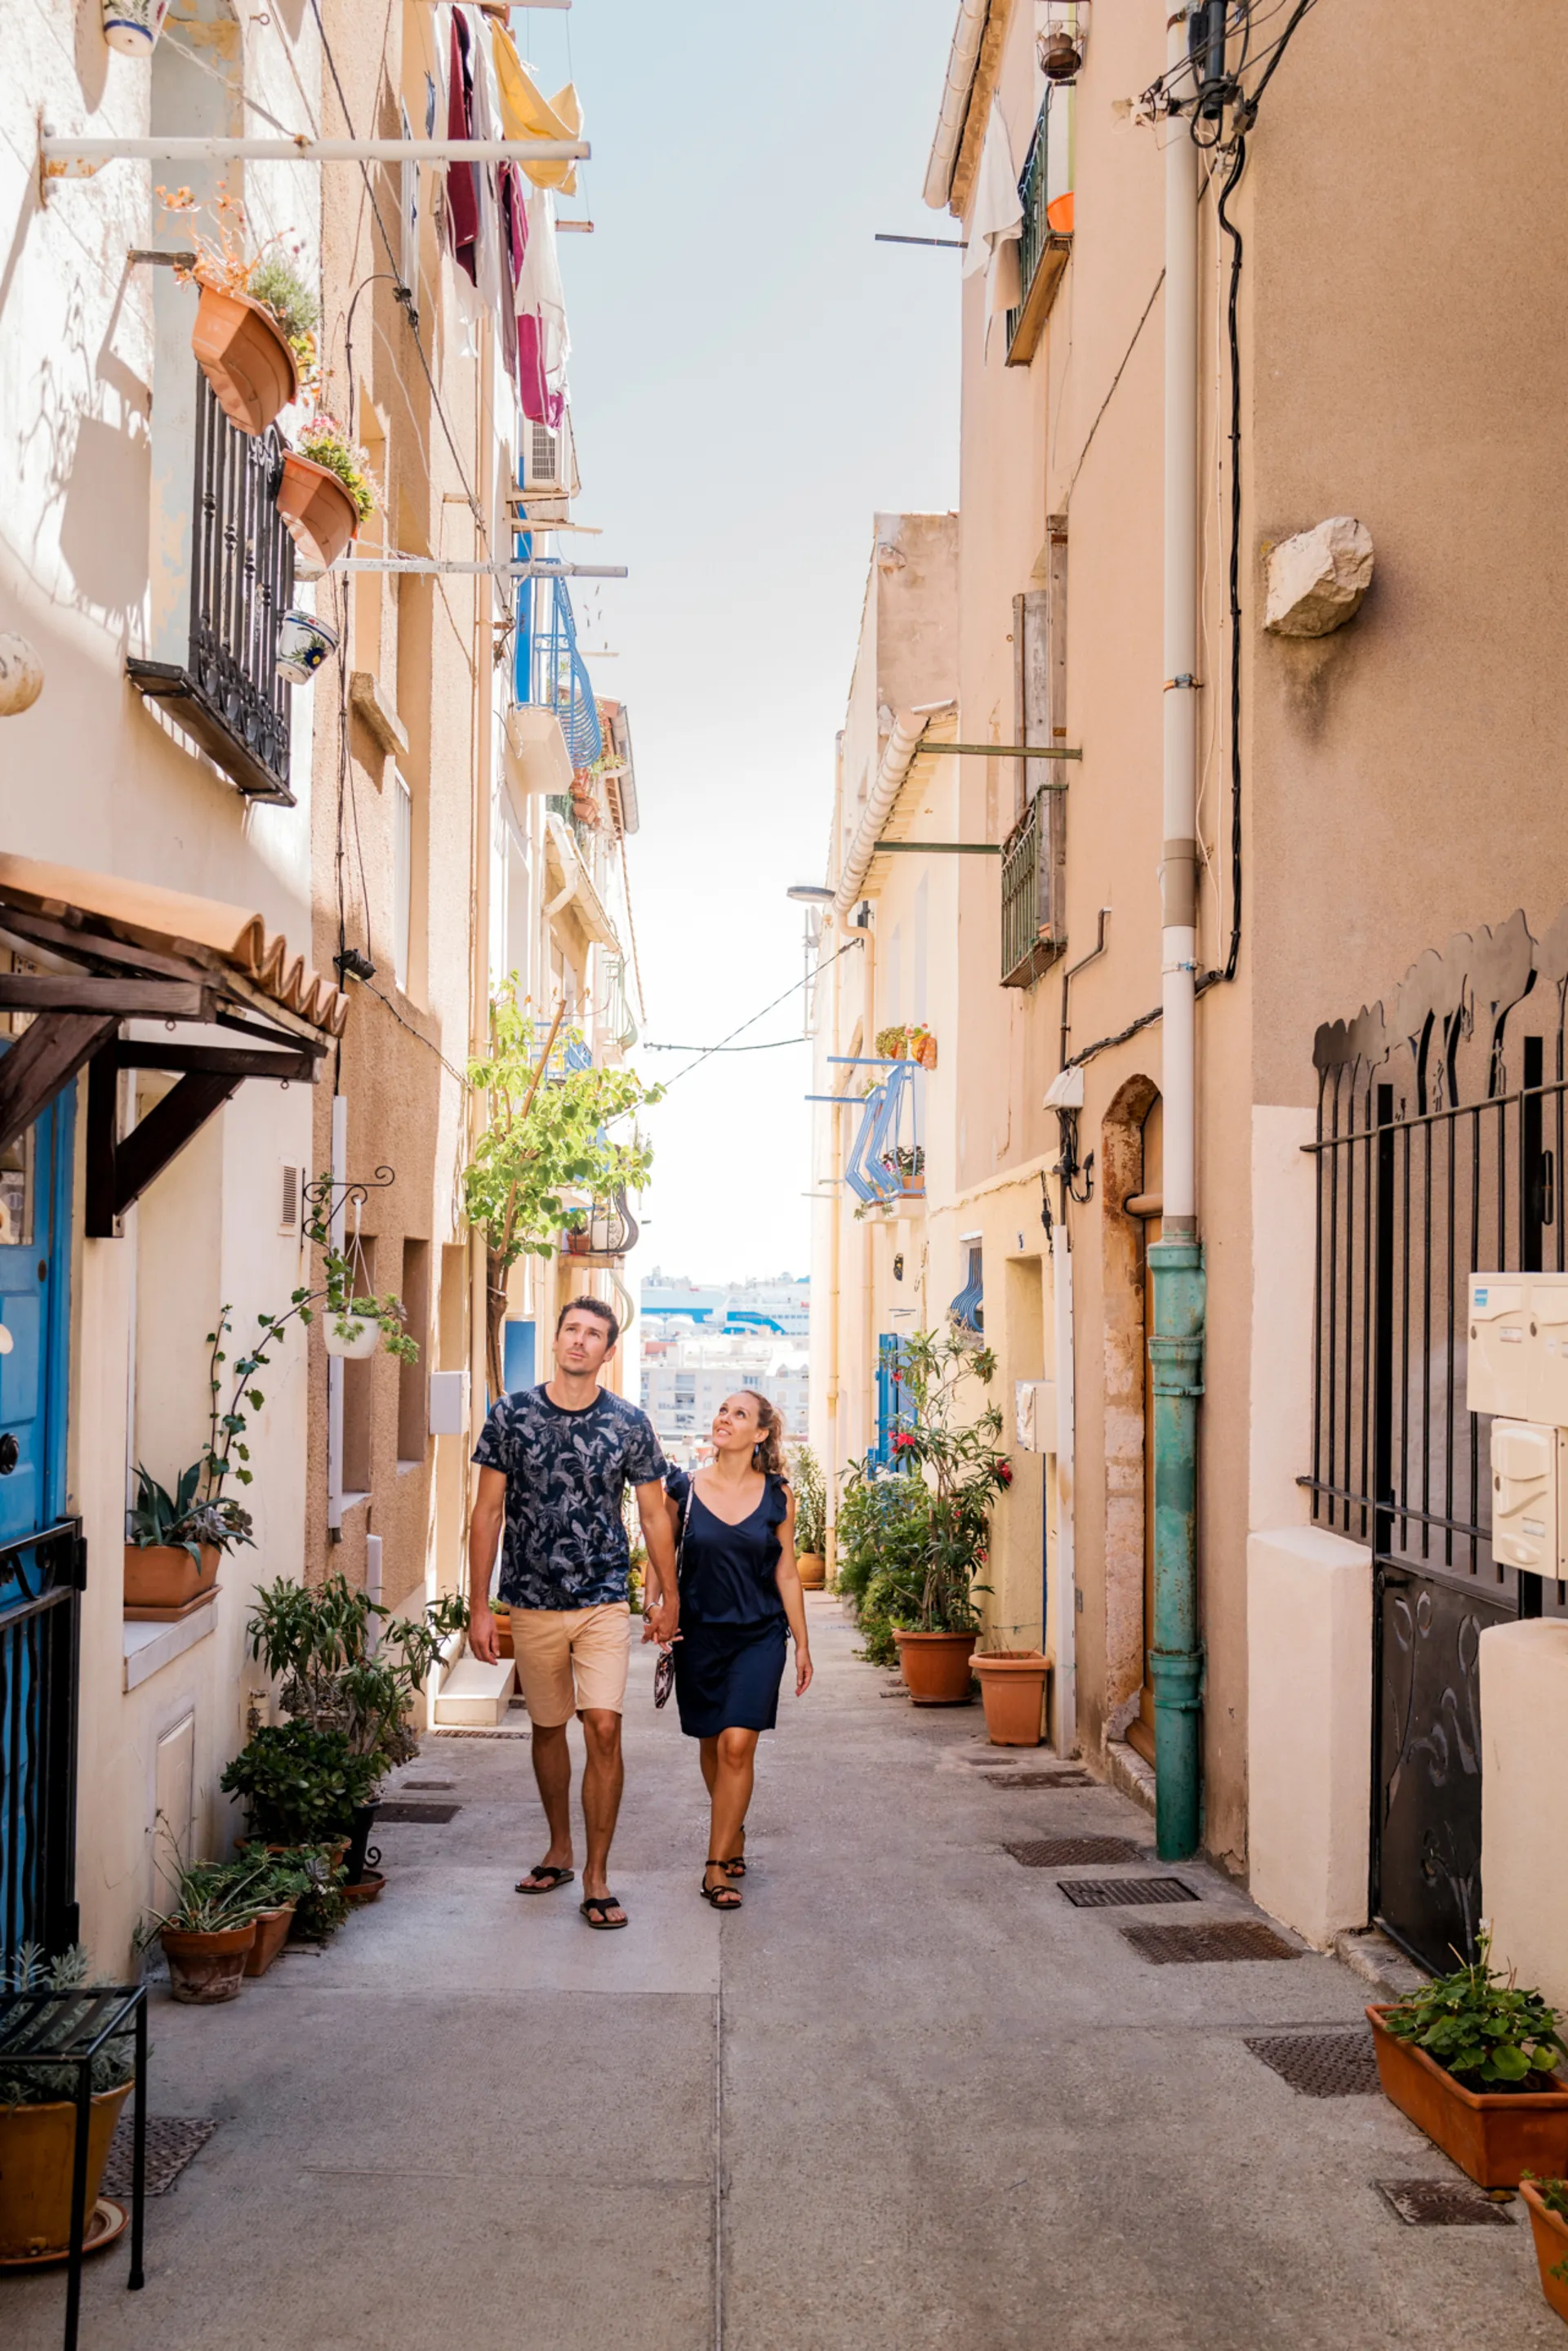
[91,52]
[103,529]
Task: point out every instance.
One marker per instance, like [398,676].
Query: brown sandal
[722,1897]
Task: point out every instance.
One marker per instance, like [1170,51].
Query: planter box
[1012,1686]
[935,1667]
[1550,2231]
[1494,2135]
[164,1583]
[244,356]
[38,2147]
[272,1934]
[317,512]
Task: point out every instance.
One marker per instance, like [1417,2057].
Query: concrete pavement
[907,2098]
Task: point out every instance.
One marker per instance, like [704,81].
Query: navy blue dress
[730,1658]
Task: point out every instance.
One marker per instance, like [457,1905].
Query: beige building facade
[1381,796]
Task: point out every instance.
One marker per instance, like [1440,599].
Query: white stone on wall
[1318,579]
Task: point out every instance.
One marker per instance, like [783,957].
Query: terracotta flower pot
[368,1889]
[1012,1686]
[164,1583]
[935,1667]
[272,1934]
[317,512]
[812,1568]
[504,1641]
[205,1968]
[38,2147]
[1550,2234]
[1494,2135]
[245,355]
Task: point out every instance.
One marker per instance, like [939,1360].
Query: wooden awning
[106,950]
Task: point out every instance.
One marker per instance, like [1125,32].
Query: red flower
[1004,1471]
[902,1444]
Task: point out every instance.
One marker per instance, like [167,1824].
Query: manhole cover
[1215,1938]
[1063,1852]
[1321,2065]
[172,2141]
[1123,1892]
[432,1812]
[1038,1780]
[1443,2204]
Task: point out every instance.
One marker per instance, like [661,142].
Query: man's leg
[604,1777]
[541,1638]
[553,1771]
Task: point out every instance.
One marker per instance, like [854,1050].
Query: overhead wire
[707,1052]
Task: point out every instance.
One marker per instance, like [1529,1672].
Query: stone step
[472,1696]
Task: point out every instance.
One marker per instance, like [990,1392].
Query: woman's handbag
[664,1671]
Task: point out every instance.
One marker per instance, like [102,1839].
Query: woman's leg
[708,1755]
[735,1772]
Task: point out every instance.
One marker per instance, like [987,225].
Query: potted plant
[892,1044]
[304,646]
[1470,2059]
[548,1132]
[884,1523]
[171,1558]
[210,1928]
[38,2114]
[301,1786]
[254,332]
[956,1458]
[1547,2202]
[325,491]
[810,1518]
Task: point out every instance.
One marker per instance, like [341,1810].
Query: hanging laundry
[526,114]
[996,222]
[462,178]
[492,262]
[544,345]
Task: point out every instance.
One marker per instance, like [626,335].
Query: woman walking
[740,1593]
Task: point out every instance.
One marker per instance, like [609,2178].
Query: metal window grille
[1041,252]
[40,1578]
[967,1309]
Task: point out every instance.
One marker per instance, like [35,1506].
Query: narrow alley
[909,2096]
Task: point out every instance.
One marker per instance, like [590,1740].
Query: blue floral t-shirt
[564,1545]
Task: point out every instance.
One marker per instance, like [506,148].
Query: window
[402,875]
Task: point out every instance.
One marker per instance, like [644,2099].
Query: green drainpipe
[1176,1659]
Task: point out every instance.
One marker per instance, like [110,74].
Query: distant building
[782,1306]
[700,1343]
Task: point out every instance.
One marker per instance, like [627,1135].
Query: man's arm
[484,1525]
[663,1602]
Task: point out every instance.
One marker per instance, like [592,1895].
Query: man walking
[554,1463]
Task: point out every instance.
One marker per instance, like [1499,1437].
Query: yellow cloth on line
[525,113]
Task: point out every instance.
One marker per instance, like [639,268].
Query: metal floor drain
[1123,1892]
[456,1731]
[1215,1938]
[427,1786]
[1038,1780]
[1443,2204]
[1321,2065]
[172,2141]
[1064,1851]
[434,1814]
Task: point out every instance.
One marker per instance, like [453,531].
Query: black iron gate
[1439,1146]
[40,1580]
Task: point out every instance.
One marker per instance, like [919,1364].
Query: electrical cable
[771,1046]
[708,1051]
[1233,233]
[424,1040]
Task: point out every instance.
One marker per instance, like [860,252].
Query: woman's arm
[787,1576]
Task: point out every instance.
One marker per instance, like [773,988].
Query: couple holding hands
[722,1593]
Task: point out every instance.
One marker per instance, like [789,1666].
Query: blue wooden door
[41,1553]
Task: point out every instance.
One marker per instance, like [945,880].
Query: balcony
[1042,249]
[887,1162]
[1029,944]
[225,692]
[549,674]
[610,1231]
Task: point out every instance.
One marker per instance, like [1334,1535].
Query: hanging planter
[304,644]
[318,511]
[351,1337]
[132,26]
[245,357]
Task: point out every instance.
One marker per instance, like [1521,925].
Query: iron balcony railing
[549,671]
[227,690]
[1042,252]
[1027,946]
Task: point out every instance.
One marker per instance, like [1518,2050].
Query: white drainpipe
[335,1362]
[1063,1595]
[1179,871]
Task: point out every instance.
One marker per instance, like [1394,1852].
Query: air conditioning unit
[549,459]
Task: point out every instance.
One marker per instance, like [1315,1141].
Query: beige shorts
[572,1658]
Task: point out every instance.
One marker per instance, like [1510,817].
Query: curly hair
[768,1453]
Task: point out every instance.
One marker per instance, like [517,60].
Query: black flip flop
[595,1909]
[551,1875]
[722,1897]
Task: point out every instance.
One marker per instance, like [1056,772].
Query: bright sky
[752,379]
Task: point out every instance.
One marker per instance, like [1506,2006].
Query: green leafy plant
[883,1537]
[212,1897]
[308,1876]
[27,1969]
[183,1521]
[348,1665]
[325,443]
[301,1786]
[276,283]
[952,1450]
[546,1134]
[1480,2027]
[810,1500]
[226,262]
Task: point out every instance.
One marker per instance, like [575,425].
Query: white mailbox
[1035,1415]
[1546,1348]
[1527,1460]
[1497,1361]
[447,1403]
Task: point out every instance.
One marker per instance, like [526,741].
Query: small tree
[958,1458]
[546,1136]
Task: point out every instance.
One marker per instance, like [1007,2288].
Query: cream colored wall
[1524,1748]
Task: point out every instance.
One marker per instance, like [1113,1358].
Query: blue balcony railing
[547,668]
[570,1052]
[886,1160]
